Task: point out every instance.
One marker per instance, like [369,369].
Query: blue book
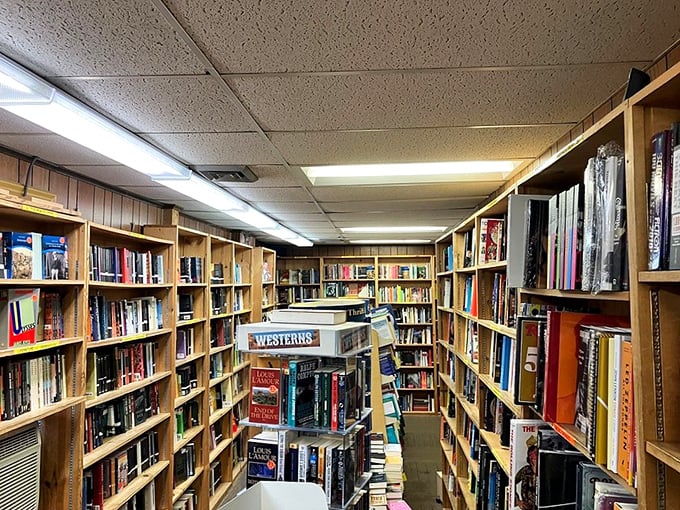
[301,392]
[505,363]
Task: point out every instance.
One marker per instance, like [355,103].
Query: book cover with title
[265,386]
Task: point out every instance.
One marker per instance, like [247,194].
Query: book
[265,386]
[300,399]
[523,463]
[18,248]
[674,240]
[518,206]
[55,257]
[526,361]
[656,202]
[302,316]
[606,494]
[557,472]
[19,317]
[587,474]
[490,240]
[262,454]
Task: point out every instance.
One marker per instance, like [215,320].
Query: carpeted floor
[422,460]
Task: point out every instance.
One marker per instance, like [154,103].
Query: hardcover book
[19,317]
[523,463]
[55,257]
[265,386]
[587,474]
[526,360]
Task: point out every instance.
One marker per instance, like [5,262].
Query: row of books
[502,302]
[184,343]
[219,301]
[185,463]
[28,316]
[290,295]
[120,416]
[339,289]
[298,276]
[491,240]
[447,257]
[111,368]
[187,501]
[416,403]
[186,417]
[547,472]
[416,379]
[239,274]
[414,314]
[404,271]
[399,294]
[191,270]
[121,265]
[239,300]
[348,271]
[33,256]
[216,273]
[472,341]
[112,318]
[415,358]
[220,332]
[216,365]
[334,463]
[470,295]
[186,379]
[415,336]
[664,200]
[30,384]
[307,393]
[111,475]
[470,384]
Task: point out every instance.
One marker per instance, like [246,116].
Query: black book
[557,472]
[536,256]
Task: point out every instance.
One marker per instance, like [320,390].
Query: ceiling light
[202,190]
[390,241]
[392,230]
[410,173]
[30,97]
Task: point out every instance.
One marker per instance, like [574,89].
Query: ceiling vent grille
[226,174]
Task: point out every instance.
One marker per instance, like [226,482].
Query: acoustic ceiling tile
[286,207]
[428,98]
[446,144]
[281,194]
[216,148]
[86,38]
[454,191]
[168,104]
[307,35]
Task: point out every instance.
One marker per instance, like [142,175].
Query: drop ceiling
[283,84]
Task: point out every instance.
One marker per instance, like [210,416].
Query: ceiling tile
[425,99]
[389,206]
[115,175]
[282,194]
[283,207]
[273,176]
[307,35]
[288,217]
[53,149]
[216,148]
[93,38]
[451,144]
[185,104]
[395,218]
[455,192]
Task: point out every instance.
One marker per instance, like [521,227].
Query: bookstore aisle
[421,461]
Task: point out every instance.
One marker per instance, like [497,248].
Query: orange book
[561,363]
[473,297]
[626,423]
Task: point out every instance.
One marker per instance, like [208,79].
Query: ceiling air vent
[226,174]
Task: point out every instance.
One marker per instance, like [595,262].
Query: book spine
[292,390]
[334,401]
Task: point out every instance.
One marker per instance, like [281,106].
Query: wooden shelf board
[192,357]
[240,396]
[240,366]
[217,451]
[189,396]
[219,414]
[126,339]
[414,324]
[113,444]
[242,284]
[412,346]
[466,270]
[503,395]
[446,309]
[501,453]
[498,328]
[416,367]
[189,435]
[447,450]
[668,453]
[113,285]
[472,366]
[221,348]
[220,493]
[577,294]
[240,466]
[464,314]
[30,211]
[405,303]
[415,389]
[451,421]
[224,315]
[470,409]
[444,273]
[466,447]
[128,388]
[40,414]
[493,265]
[659,277]
[182,487]
[11,282]
[126,234]
[118,500]
[468,497]
[220,379]
[185,285]
[220,285]
[243,311]
[40,346]
[448,381]
[189,322]
[419,412]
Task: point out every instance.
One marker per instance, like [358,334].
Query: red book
[561,360]
[334,400]
[265,395]
[98,482]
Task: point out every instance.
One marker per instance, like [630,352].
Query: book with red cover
[265,401]
[561,360]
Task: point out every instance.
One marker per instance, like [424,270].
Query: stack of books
[377,487]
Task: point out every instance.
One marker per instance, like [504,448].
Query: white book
[614,402]
[517,236]
[302,316]
[37,256]
[552,239]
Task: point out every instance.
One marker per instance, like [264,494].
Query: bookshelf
[61,418]
[406,282]
[297,279]
[130,341]
[477,312]
[349,276]
[264,282]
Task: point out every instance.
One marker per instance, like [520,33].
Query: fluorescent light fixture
[392,230]
[30,97]
[390,241]
[410,173]
[202,190]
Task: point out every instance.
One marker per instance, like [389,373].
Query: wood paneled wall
[95,202]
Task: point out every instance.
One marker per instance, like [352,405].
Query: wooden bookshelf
[264,282]
[297,279]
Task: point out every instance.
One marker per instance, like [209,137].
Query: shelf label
[40,346]
[137,235]
[37,210]
[273,340]
[132,338]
